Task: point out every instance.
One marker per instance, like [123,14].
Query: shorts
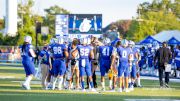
[74,66]
[59,67]
[123,69]
[104,66]
[29,67]
[86,69]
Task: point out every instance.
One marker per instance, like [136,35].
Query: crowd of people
[63,64]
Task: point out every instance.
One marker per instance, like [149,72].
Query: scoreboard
[78,25]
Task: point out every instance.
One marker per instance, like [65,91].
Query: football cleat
[26,87]
[120,90]
[127,90]
[83,90]
[93,90]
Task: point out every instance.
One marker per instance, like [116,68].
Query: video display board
[77,25]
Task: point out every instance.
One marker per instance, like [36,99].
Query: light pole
[38,31]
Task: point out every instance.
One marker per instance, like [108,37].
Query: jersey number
[84,52]
[105,51]
[124,54]
[57,50]
[22,52]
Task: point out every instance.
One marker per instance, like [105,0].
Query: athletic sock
[103,84]
[138,81]
[82,83]
[91,84]
[110,83]
[129,83]
[54,82]
[60,82]
[28,80]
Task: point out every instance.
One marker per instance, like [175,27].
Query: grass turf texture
[10,90]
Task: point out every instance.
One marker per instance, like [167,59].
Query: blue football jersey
[123,54]
[133,52]
[45,56]
[105,52]
[113,43]
[25,54]
[177,54]
[84,51]
[58,50]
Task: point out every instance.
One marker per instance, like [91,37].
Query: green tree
[153,18]
[2,24]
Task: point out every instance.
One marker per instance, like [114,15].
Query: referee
[163,56]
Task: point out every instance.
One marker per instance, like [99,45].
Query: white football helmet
[106,41]
[131,43]
[84,41]
[28,39]
[52,41]
[88,41]
[124,42]
[60,40]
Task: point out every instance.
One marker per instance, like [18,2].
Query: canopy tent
[148,40]
[173,41]
[167,35]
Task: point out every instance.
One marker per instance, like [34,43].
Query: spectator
[163,56]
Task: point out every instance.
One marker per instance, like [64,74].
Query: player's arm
[66,53]
[97,53]
[32,52]
[92,54]
[113,57]
[50,63]
[74,53]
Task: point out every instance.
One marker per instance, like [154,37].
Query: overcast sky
[112,10]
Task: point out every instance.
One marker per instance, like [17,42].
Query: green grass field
[10,90]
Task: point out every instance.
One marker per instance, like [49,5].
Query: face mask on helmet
[84,41]
[131,43]
[124,42]
[106,41]
[88,41]
[28,39]
[60,41]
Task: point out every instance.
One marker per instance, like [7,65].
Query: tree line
[152,18]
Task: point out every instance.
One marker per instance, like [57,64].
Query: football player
[51,72]
[59,54]
[123,69]
[106,56]
[134,58]
[177,60]
[27,55]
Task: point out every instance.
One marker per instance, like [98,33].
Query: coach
[163,56]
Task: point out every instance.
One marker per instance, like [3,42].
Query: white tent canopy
[166,35]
